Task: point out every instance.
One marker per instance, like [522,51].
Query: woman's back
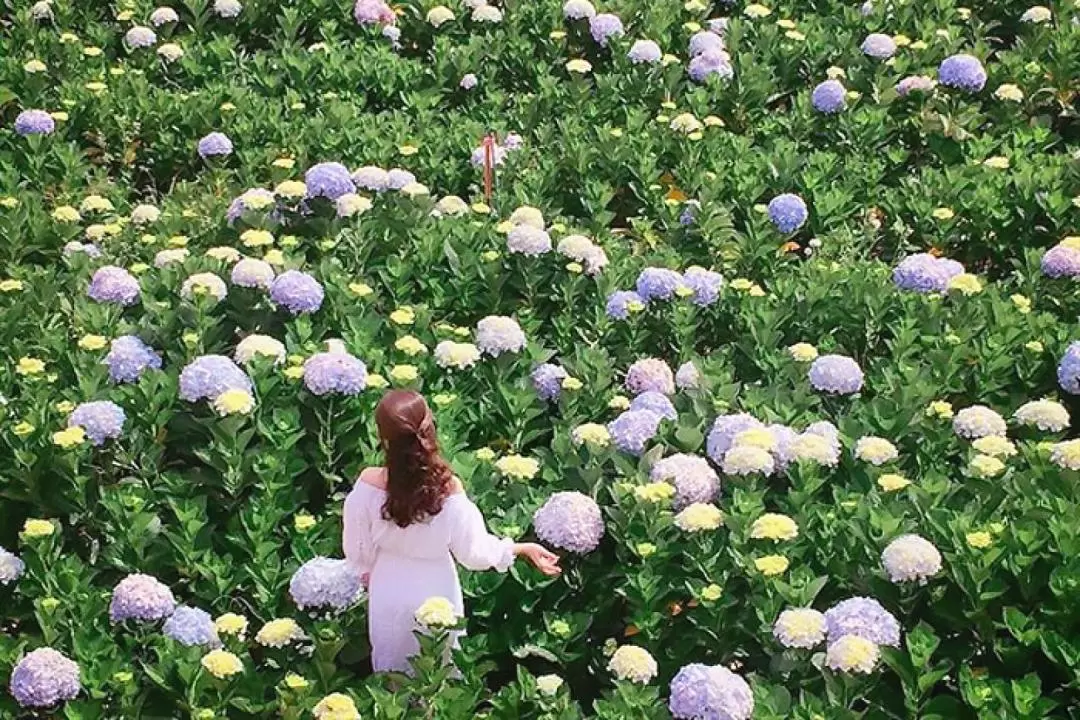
[428,539]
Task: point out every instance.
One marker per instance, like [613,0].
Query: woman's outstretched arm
[477,549]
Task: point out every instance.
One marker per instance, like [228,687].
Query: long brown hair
[417,477]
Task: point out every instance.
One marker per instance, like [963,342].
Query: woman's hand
[542,559]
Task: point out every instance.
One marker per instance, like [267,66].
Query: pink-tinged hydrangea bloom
[373,12]
[879,45]
[645,51]
[914,83]
[650,374]
[687,377]
[570,521]
[11,567]
[710,692]
[140,37]
[693,478]
[704,41]
[371,178]
[141,597]
[578,9]
[44,678]
[325,584]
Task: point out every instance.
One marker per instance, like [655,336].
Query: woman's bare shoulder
[456,487]
[373,476]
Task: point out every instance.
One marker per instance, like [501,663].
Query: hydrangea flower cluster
[252,273]
[497,334]
[128,358]
[547,381]
[141,597]
[829,97]
[191,627]
[325,584]
[925,273]
[865,618]
[208,376]
[656,403]
[34,122]
[605,26]
[978,421]
[112,284]
[11,567]
[570,521]
[216,144]
[631,430]
[1068,369]
[621,303]
[911,558]
[297,292]
[700,692]
[44,678]
[334,372]
[787,212]
[693,478]
[836,375]
[962,72]
[650,374]
[101,420]
[328,180]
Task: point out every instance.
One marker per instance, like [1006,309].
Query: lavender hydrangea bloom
[914,83]
[215,144]
[570,521]
[141,597]
[547,381]
[208,376]
[656,403]
[836,374]
[373,12]
[962,72]
[330,180]
[191,627]
[879,45]
[710,692]
[334,372]
[863,617]
[631,430]
[645,51]
[578,9]
[650,374]
[11,567]
[393,34]
[658,284]
[101,420]
[687,377]
[497,334]
[620,303]
[723,433]
[252,273]
[325,584]
[829,97]
[468,82]
[783,439]
[924,273]
[34,122]
[43,678]
[787,212]
[1061,261]
[712,62]
[706,285]
[605,26]
[371,178]
[694,479]
[529,241]
[704,41]
[1068,370]
[140,37]
[297,292]
[396,178]
[112,284]
[128,358]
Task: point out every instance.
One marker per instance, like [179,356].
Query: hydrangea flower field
[763,316]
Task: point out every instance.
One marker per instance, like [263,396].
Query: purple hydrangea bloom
[656,403]
[74,247]
[396,178]
[140,37]
[578,9]
[718,25]
[962,72]
[829,97]
[645,51]
[11,567]
[631,430]
[914,83]
[712,62]
[468,82]
[836,374]
[879,45]
[334,372]
[252,273]
[710,692]
[43,678]
[783,439]
[112,284]
[141,597]
[863,617]
[128,358]
[101,420]
[1068,370]
[787,212]
[191,627]
[605,26]
[371,178]
[658,284]
[215,144]
[570,521]
[687,376]
[620,302]
[694,479]
[330,180]
[704,41]
[922,272]
[688,215]
[650,374]
[208,376]
[547,381]
[723,433]
[325,584]
[706,285]
[34,122]
[297,292]
[393,34]
[1061,261]
[373,12]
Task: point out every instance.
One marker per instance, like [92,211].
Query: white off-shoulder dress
[409,565]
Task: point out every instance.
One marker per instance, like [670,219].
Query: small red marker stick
[489,166]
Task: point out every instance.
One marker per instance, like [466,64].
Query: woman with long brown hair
[407,522]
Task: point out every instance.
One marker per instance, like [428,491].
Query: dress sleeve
[356,534]
[473,546]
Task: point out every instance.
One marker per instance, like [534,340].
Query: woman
[407,522]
